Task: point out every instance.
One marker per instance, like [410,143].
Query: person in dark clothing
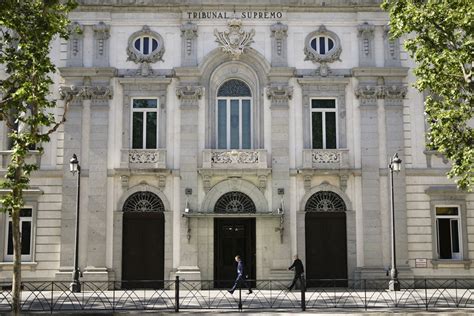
[240,276]
[299,271]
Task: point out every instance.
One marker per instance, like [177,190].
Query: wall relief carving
[234,41]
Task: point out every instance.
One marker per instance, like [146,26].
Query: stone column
[368,93]
[97,198]
[279,47]
[189,96]
[393,103]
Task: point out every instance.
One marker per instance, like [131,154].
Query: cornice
[141,80]
[323,80]
[380,71]
[92,72]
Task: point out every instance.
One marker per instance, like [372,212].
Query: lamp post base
[75,286]
[394,285]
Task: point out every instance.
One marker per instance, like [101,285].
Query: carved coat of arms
[234,40]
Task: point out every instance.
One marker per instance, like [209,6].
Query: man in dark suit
[240,276]
[299,270]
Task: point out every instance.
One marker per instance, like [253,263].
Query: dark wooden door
[233,236]
[143,249]
[326,248]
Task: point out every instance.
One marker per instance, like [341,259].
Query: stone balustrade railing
[144,158]
[234,159]
[328,159]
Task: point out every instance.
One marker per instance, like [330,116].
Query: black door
[143,250]
[233,236]
[326,250]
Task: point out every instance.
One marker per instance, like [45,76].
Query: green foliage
[440,40]
[26,31]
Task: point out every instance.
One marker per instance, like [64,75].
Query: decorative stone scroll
[280,94]
[85,92]
[234,41]
[370,93]
[75,45]
[235,157]
[391,49]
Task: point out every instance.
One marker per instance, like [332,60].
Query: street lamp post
[75,167]
[394,284]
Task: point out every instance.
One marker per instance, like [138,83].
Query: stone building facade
[210,128]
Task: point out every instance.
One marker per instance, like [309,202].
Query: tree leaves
[440,40]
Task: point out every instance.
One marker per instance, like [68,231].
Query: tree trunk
[16,295]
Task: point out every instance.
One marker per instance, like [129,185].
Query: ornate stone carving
[189,94]
[325,157]
[155,55]
[366,33]
[161,182]
[279,32]
[144,156]
[189,32]
[369,93]
[101,33]
[307,182]
[235,157]
[85,92]
[206,182]
[343,181]
[331,56]
[234,41]
[279,94]
[77,33]
[124,181]
[262,182]
[394,92]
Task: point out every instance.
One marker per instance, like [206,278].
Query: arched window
[325,201]
[234,115]
[234,202]
[143,202]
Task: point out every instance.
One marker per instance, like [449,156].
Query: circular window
[145,45]
[322,44]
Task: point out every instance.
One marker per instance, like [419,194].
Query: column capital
[279,94]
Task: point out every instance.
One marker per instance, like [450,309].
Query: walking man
[240,276]
[299,270]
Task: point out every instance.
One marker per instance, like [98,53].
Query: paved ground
[261,302]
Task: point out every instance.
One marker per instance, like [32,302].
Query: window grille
[325,201]
[234,202]
[143,202]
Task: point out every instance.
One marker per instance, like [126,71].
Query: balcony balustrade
[326,159]
[234,159]
[143,158]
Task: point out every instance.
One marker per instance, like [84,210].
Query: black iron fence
[176,295]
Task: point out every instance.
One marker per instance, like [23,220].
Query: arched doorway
[143,241]
[326,240]
[233,236]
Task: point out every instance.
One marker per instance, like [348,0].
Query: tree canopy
[27,28]
[439,38]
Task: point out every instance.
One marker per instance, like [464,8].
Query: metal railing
[176,295]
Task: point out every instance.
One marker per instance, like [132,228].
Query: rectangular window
[26,231]
[324,123]
[144,123]
[448,232]
[234,121]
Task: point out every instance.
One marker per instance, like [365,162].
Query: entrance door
[326,250]
[233,236]
[143,250]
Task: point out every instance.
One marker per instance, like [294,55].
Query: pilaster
[189,94]
[189,44]
[366,44]
[75,45]
[101,44]
[279,35]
